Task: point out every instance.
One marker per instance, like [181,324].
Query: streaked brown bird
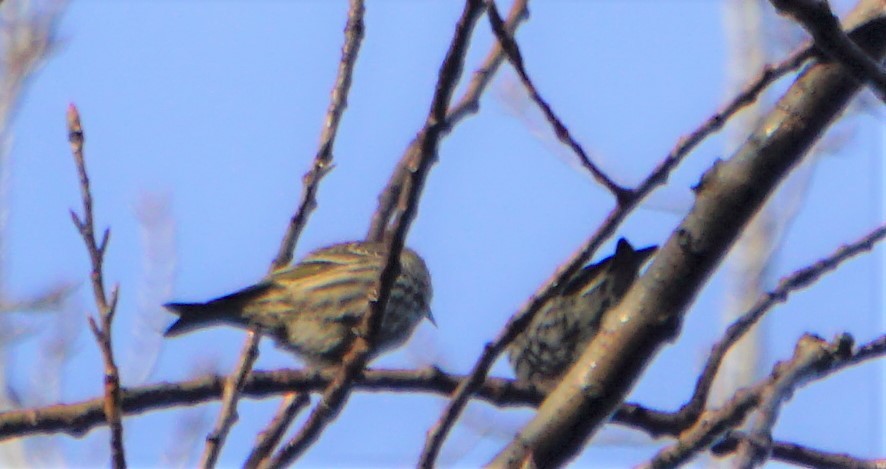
[559,332]
[314,307]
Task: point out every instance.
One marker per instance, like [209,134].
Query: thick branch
[651,312]
[817,18]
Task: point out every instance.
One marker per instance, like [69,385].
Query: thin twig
[419,158]
[755,450]
[270,436]
[799,279]
[512,50]
[106,307]
[467,105]
[813,359]
[354,32]
[228,413]
[799,455]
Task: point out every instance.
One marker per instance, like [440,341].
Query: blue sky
[214,109]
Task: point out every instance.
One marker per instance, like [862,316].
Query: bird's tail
[192,316]
[227,309]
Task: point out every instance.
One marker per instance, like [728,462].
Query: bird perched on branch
[561,329]
[315,307]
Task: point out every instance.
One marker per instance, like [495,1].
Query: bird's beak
[431,318]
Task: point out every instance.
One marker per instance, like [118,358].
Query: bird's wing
[240,297]
[303,270]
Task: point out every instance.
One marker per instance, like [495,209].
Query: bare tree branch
[651,312]
[631,333]
[801,278]
[512,50]
[420,157]
[270,437]
[816,17]
[228,413]
[354,31]
[79,418]
[322,164]
[106,307]
[800,455]
[467,105]
[813,359]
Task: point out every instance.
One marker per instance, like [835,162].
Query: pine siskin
[313,308]
[559,332]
